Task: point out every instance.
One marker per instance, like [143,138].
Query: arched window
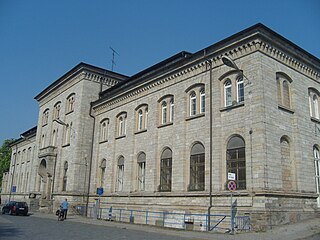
[193,103]
[240,90]
[164,112]
[121,126]
[45,117]
[286,163]
[171,110]
[120,174]
[202,101]
[197,168]
[65,171]
[102,172]
[228,93]
[141,171]
[56,113]
[141,117]
[236,160]
[166,170]
[140,120]
[316,155]
[104,125]
[70,103]
[315,106]
[121,121]
[283,88]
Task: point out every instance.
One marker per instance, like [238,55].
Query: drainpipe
[91,158]
[210,154]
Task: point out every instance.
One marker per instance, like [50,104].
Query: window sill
[286,109]
[104,141]
[66,145]
[45,124]
[140,131]
[228,108]
[195,116]
[165,124]
[123,136]
[69,112]
[316,120]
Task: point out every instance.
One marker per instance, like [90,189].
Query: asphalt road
[35,228]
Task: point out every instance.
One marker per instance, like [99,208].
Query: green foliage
[5,156]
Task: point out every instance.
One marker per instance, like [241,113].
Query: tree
[5,156]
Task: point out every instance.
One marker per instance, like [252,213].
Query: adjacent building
[166,138]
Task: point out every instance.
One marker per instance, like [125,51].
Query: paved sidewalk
[309,229]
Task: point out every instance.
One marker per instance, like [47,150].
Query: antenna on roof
[113,63]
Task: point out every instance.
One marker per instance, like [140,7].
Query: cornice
[99,78]
[235,51]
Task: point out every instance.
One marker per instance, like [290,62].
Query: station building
[167,138]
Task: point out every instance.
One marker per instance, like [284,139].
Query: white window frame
[202,101]
[171,110]
[193,103]
[240,90]
[164,112]
[227,93]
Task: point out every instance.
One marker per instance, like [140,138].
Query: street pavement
[309,229]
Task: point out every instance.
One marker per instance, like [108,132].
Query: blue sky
[40,40]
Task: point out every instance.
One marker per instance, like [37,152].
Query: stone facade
[139,139]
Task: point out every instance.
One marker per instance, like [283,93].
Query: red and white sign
[232,186]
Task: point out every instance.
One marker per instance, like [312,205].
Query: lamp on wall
[230,63]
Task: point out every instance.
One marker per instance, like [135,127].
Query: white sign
[231,176]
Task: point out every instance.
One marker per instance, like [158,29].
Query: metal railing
[179,220]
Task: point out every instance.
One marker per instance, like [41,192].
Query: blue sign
[14,189]
[100,191]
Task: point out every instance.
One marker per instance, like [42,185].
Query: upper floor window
[314,103]
[70,103]
[165,170]
[196,100]
[283,89]
[197,168]
[121,124]
[104,126]
[120,173]
[193,103]
[142,117]
[236,160]
[202,101]
[171,110]
[232,90]
[240,89]
[227,93]
[56,113]
[45,117]
[166,109]
[141,171]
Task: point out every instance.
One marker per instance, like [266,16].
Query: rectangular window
[141,175]
[197,173]
[165,175]
[120,177]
